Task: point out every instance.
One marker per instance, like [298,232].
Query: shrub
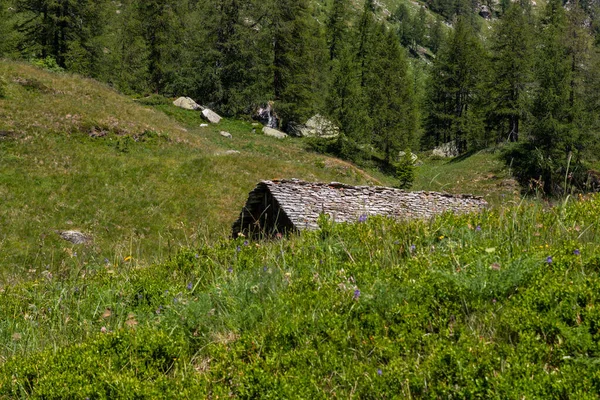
[405,171]
[48,63]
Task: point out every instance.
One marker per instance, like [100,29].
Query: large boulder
[319,126]
[187,104]
[446,150]
[211,116]
[274,133]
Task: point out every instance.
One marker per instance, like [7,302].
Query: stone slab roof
[293,205]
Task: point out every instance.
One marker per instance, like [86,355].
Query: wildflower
[362,218]
[103,329]
[549,259]
[494,301]
[230,270]
[106,261]
[577,252]
[245,243]
[496,267]
[265,268]
[238,249]
[379,372]
[413,248]
[197,256]
[190,286]
[356,294]
[478,228]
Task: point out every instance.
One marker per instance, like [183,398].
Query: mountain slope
[76,155]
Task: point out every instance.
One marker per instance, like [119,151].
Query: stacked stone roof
[296,205]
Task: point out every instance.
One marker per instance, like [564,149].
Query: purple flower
[265,268]
[379,372]
[494,301]
[577,252]
[478,228]
[413,248]
[362,218]
[356,294]
[246,243]
[549,259]
[230,270]
[190,286]
[238,249]
[106,261]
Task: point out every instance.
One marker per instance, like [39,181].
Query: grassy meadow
[163,304]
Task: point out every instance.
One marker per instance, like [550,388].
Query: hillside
[164,304]
[76,155]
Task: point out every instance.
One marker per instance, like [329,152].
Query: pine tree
[365,40]
[62,29]
[293,60]
[512,61]
[390,96]
[128,52]
[454,93]
[337,28]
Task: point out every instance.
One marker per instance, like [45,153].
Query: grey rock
[274,133]
[319,126]
[203,125]
[446,150]
[187,104]
[75,237]
[211,116]
[226,135]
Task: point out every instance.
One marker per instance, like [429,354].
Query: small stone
[274,133]
[203,125]
[74,237]
[226,135]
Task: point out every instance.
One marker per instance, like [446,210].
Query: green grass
[141,181]
[476,309]
[501,304]
[482,174]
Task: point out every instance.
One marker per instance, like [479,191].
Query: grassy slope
[138,194]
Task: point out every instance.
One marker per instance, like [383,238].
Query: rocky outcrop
[319,126]
[274,133]
[446,150]
[211,116]
[187,104]
[294,205]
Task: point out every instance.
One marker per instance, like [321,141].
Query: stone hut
[281,206]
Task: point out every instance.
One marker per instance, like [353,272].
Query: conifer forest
[526,77]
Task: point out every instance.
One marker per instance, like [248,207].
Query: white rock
[319,126]
[226,135]
[187,104]
[274,133]
[211,116]
[203,125]
[74,237]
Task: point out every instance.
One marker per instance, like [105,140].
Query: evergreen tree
[159,26]
[63,29]
[390,96]
[512,61]
[454,93]
[365,40]
[436,36]
[293,60]
[128,51]
[337,28]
